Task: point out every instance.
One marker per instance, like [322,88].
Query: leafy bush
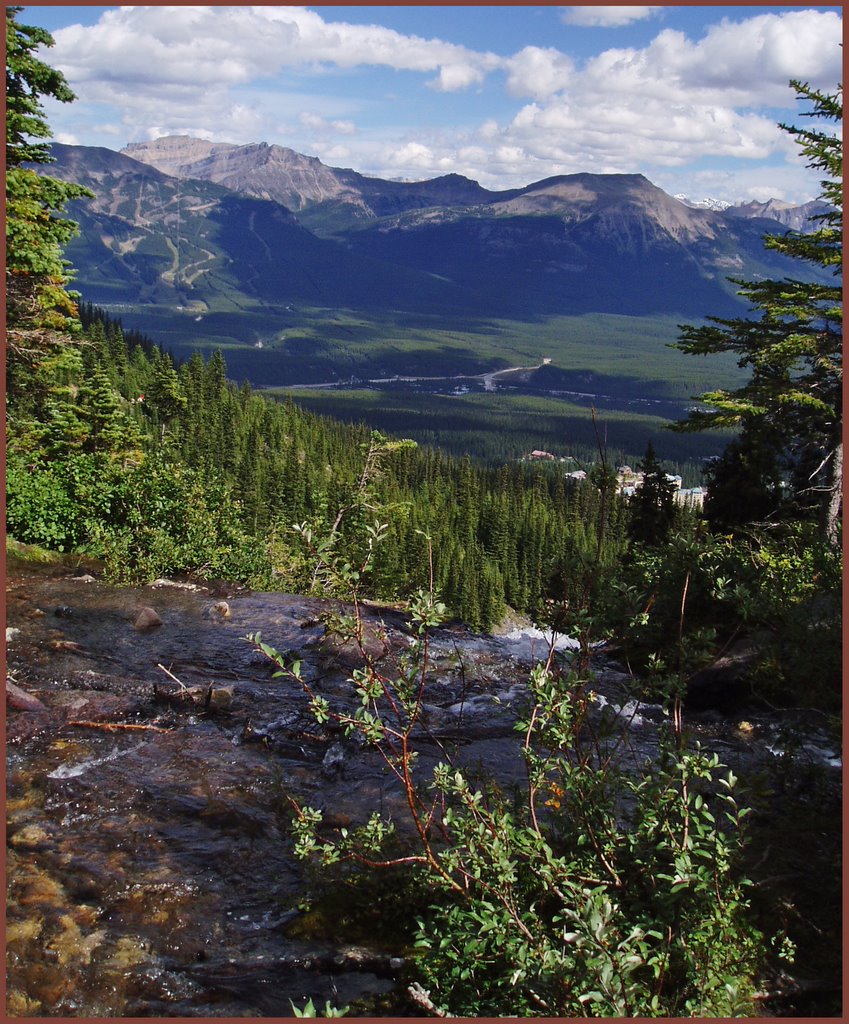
[310,1010]
[169,519]
[790,587]
[779,589]
[605,889]
[55,503]
[39,509]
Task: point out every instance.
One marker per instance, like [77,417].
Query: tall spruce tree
[40,312]
[744,484]
[652,508]
[793,348]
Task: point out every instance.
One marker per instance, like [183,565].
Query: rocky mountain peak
[256,169]
[174,154]
[614,201]
[797,218]
[708,203]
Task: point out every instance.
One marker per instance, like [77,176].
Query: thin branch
[117,726]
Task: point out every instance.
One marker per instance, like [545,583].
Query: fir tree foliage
[40,310]
[744,484]
[652,508]
[793,347]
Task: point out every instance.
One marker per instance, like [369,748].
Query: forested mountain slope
[268,265]
[162,469]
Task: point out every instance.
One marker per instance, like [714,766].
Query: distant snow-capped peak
[708,203]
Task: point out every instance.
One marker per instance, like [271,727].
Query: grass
[32,553]
[608,353]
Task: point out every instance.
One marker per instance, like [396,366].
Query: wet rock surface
[149,772]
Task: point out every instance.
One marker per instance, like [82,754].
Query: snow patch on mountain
[708,203]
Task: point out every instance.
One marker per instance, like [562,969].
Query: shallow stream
[150,869]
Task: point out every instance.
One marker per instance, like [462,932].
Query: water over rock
[147,618]
[20,700]
[151,779]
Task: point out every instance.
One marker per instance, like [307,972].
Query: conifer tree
[40,312]
[793,348]
[165,393]
[744,483]
[653,505]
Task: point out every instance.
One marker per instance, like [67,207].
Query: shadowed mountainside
[258,247]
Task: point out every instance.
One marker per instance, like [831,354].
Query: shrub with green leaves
[310,1010]
[171,519]
[610,892]
[606,888]
[780,589]
[56,502]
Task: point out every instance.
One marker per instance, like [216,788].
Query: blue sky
[688,96]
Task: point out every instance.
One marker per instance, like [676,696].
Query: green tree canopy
[793,347]
[39,309]
[652,509]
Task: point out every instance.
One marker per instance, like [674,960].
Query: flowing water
[150,869]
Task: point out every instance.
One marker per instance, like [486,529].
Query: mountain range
[796,217]
[244,246]
[304,183]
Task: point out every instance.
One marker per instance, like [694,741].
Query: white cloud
[453,77]
[234,73]
[335,156]
[674,102]
[201,46]
[413,155]
[786,182]
[325,127]
[489,129]
[738,63]
[606,17]
[213,116]
[221,72]
[538,72]
[741,64]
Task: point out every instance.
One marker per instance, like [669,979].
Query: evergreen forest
[162,470]
[631,900]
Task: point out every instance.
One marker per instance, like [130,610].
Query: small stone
[163,582]
[172,692]
[30,837]
[147,618]
[87,578]
[64,611]
[11,633]
[20,700]
[20,1005]
[333,764]
[27,730]
[21,932]
[337,819]
[220,697]
[71,946]
[219,610]
[127,952]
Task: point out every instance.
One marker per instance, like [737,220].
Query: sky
[688,96]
